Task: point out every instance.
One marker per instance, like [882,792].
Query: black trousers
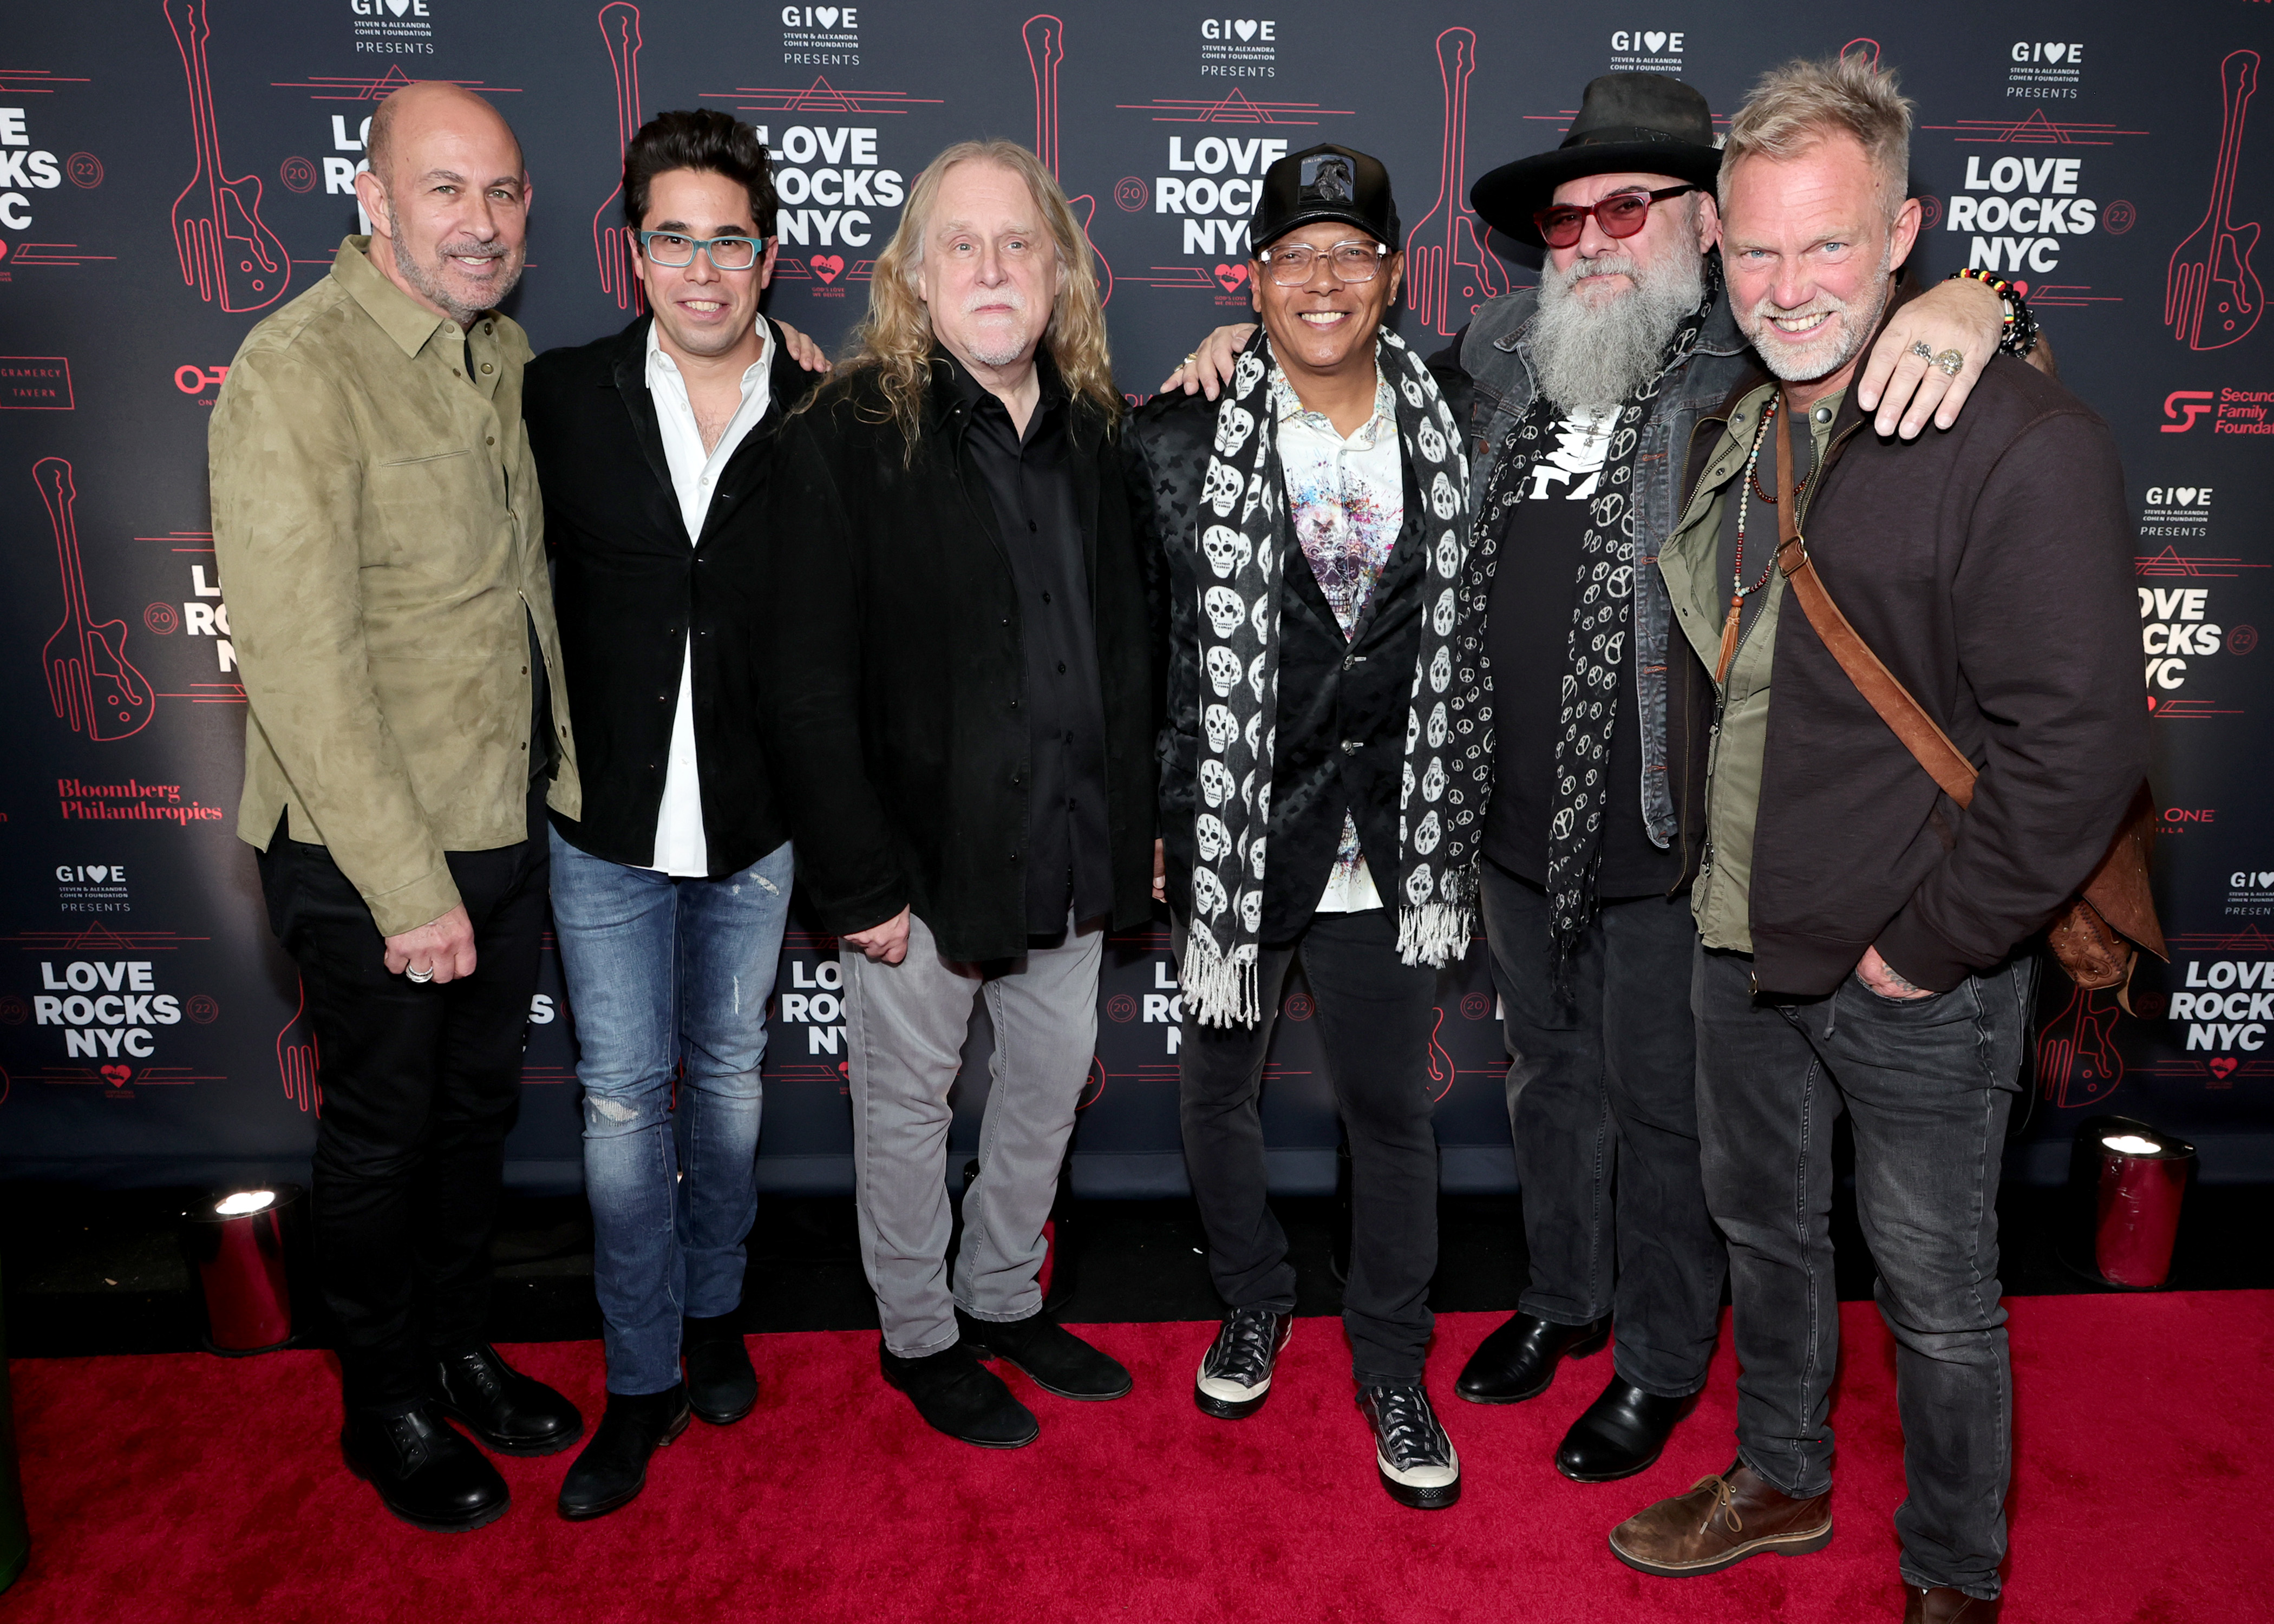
[1375,1016]
[1602,1100]
[1927,1086]
[420,1084]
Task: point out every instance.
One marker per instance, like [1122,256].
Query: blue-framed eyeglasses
[675,249]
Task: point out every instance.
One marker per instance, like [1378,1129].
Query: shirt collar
[402,318]
[975,393]
[1287,407]
[659,364]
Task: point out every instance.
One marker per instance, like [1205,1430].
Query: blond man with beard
[961,711]
[1865,940]
[1587,392]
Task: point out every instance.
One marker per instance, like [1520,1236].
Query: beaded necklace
[1738,590]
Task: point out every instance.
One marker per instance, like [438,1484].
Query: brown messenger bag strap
[1944,762]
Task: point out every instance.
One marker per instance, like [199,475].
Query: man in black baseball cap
[1584,394]
[1319,784]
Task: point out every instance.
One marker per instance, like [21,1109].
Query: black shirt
[1528,634]
[1026,482]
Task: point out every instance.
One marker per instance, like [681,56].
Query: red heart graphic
[4,251]
[2151,702]
[119,1077]
[829,267]
[2224,1066]
[1232,276]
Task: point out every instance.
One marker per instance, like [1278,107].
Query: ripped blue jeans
[660,971]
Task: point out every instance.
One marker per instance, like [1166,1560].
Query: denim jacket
[1492,350]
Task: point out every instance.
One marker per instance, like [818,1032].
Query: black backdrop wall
[2112,156]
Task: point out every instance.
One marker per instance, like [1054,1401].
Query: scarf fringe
[1435,933]
[1220,988]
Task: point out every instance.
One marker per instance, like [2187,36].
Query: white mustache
[981,299]
[1822,303]
[1607,265]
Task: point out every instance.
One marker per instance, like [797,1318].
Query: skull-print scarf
[1601,623]
[1242,535]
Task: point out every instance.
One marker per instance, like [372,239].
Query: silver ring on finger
[1953,361]
[1923,350]
[418,976]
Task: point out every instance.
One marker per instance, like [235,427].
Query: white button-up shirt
[681,849]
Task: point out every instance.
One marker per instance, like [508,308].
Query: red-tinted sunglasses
[1620,215]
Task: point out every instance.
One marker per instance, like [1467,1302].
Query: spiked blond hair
[1797,105]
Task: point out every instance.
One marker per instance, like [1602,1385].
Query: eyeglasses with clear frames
[674,250]
[1352,261]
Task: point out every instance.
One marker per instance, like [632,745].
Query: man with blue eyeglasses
[671,886]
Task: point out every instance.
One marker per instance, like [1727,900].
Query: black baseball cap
[1324,183]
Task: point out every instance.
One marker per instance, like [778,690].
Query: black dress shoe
[1517,1361]
[1054,1358]
[424,1472]
[1620,1434]
[956,1395]
[612,1468]
[720,1382]
[512,1413]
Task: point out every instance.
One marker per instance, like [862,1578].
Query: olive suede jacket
[381,550]
[894,705]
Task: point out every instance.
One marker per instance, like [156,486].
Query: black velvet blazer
[1343,702]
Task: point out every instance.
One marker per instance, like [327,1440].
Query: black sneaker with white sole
[1235,1375]
[1417,1460]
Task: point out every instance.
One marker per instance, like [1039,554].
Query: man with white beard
[1587,392]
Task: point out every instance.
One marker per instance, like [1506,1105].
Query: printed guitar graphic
[1045,38]
[1448,271]
[613,244]
[2078,1063]
[91,682]
[296,1059]
[2211,297]
[228,255]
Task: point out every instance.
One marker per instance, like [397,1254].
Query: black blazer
[1342,702]
[628,581]
[896,710]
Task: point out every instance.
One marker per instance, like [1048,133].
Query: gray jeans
[905,1025]
[1927,1085]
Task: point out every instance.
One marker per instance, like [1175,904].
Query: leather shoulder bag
[2099,936]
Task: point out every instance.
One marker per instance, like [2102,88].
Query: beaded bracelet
[2020,334]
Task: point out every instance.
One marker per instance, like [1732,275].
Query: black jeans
[1602,1102]
[1375,1016]
[1927,1085]
[420,1084]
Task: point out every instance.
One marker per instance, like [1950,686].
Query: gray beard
[1588,356]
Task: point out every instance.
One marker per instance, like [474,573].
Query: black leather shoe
[512,1413]
[957,1396]
[424,1472]
[1517,1361]
[612,1468]
[1054,1358]
[1620,1434]
[720,1382]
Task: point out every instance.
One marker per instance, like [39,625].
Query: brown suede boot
[1720,1522]
[1946,1603]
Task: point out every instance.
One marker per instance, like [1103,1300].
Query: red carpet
[192,1488]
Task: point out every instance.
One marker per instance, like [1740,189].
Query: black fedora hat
[1648,122]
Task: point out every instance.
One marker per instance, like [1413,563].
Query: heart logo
[2184,495]
[398,6]
[829,267]
[1232,276]
[98,872]
[119,1077]
[2222,1067]
[2151,702]
[1654,39]
[1245,27]
[4,251]
[825,15]
[2054,53]
[2265,878]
